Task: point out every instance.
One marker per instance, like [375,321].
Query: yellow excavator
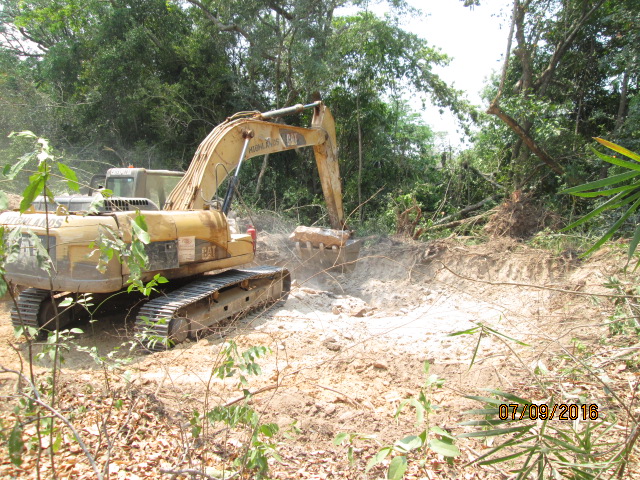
[191,243]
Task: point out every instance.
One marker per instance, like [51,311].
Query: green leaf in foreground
[15,444]
[397,467]
[70,175]
[444,448]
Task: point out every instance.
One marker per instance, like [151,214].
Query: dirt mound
[520,217]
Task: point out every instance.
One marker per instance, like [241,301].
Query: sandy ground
[347,349]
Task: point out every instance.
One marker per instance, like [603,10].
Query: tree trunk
[495,109]
[360,204]
[622,106]
[265,163]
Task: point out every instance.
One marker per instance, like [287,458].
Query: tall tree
[567,77]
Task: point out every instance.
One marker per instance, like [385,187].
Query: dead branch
[467,209]
[352,401]
[465,221]
[251,394]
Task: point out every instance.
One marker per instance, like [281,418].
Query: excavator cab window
[121,186]
[159,185]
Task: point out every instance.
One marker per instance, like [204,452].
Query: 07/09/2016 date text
[560,411]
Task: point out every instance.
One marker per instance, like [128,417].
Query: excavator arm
[238,139]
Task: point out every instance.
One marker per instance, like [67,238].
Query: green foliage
[560,243]
[15,444]
[621,189]
[241,364]
[241,418]
[144,82]
[625,317]
[570,76]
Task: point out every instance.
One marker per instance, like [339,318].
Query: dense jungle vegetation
[142,82]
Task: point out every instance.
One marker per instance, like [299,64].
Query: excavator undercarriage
[173,316]
[202,304]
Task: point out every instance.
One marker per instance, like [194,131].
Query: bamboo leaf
[507,457]
[515,441]
[606,193]
[494,433]
[464,332]
[505,336]
[566,445]
[610,204]
[482,411]
[508,396]
[618,148]
[605,182]
[614,228]
[634,242]
[475,350]
[484,423]
[617,161]
[493,401]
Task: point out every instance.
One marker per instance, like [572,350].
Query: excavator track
[182,313]
[28,303]
[36,307]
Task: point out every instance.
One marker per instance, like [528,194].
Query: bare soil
[345,351]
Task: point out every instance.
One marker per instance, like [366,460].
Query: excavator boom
[220,153]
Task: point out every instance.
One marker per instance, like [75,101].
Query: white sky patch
[475,39]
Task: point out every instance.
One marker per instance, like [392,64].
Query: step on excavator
[191,243]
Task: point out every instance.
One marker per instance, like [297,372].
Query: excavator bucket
[326,249]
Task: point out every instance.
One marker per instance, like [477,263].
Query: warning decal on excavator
[186,249]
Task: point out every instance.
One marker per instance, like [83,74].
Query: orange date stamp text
[559,411]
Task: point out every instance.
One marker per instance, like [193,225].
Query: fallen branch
[464,221]
[468,209]
[251,394]
[352,401]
